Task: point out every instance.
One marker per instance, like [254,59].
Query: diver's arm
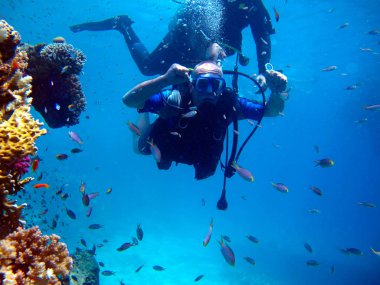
[261,28]
[136,97]
[275,105]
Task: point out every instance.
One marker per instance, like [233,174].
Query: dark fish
[351,251]
[158,268]
[199,278]
[92,251]
[85,199]
[64,196]
[227,252]
[316,190]
[71,214]
[308,247]
[312,262]
[125,246]
[139,268]
[367,204]
[250,260]
[139,232]
[76,150]
[95,226]
[100,245]
[53,224]
[40,176]
[108,273]
[332,269]
[61,156]
[252,239]
[324,162]
[101,264]
[226,238]
[203,202]
[316,148]
[83,242]
[74,278]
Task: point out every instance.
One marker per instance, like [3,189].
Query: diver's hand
[276,81]
[262,81]
[177,74]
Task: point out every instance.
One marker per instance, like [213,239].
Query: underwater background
[322,119]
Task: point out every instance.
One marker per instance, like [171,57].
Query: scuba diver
[193,29]
[195,113]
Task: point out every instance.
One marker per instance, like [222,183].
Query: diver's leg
[105,25]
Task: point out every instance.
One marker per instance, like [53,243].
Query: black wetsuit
[190,34]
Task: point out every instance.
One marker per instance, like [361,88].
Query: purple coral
[20,166]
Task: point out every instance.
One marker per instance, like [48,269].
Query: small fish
[227,252]
[208,235]
[250,260]
[44,212]
[280,187]
[135,129]
[329,68]
[367,204]
[71,214]
[316,190]
[89,211]
[139,268]
[344,25]
[82,187]
[76,150]
[75,137]
[95,226]
[61,156]
[139,232]
[83,242]
[314,211]
[332,269]
[190,114]
[155,151]
[351,251]
[57,107]
[374,32]
[64,196]
[372,107]
[198,278]
[375,252]
[124,246]
[65,69]
[85,199]
[101,264]
[92,251]
[74,278]
[93,195]
[109,191]
[158,268]
[35,164]
[361,121]
[352,87]
[244,173]
[41,185]
[226,238]
[39,178]
[135,241]
[276,14]
[252,239]
[325,162]
[108,273]
[316,148]
[308,247]
[312,262]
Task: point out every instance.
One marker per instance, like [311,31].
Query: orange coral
[18,129]
[27,257]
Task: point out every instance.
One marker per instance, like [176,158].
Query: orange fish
[41,185]
[82,187]
[276,14]
[15,64]
[35,165]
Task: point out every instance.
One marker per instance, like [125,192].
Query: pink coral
[27,257]
[20,166]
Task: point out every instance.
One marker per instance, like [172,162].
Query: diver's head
[208,83]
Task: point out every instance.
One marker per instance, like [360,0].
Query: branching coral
[18,129]
[27,257]
[57,92]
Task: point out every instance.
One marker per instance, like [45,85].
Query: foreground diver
[191,32]
[195,113]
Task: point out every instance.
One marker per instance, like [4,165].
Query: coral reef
[18,129]
[27,257]
[86,268]
[57,92]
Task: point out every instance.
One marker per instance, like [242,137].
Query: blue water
[168,204]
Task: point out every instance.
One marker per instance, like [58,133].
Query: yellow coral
[27,257]
[18,129]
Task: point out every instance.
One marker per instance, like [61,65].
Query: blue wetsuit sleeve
[250,109]
[155,103]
